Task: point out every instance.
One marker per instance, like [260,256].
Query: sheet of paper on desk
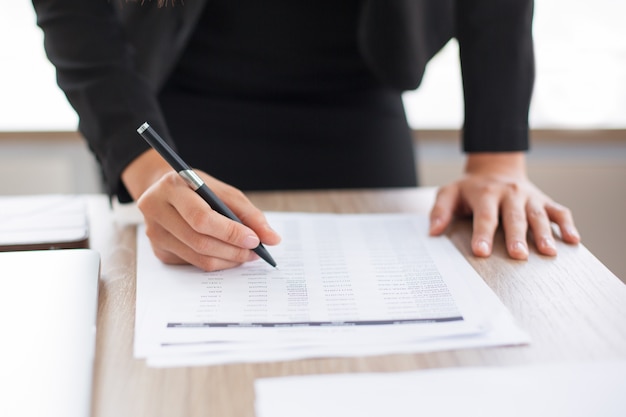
[345,285]
[555,390]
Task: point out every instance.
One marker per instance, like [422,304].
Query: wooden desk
[572,306]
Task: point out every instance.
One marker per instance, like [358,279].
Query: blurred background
[578,117]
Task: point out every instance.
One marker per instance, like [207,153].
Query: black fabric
[274,50]
[303,145]
[275,95]
[497,78]
[397,38]
[113,58]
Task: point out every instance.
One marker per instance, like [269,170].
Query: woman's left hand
[496,187]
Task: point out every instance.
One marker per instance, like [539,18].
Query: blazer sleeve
[95,68]
[497,60]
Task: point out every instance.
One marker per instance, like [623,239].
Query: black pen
[194,181]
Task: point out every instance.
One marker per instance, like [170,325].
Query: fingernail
[573,232]
[520,247]
[251,242]
[435,223]
[269,228]
[482,247]
[548,243]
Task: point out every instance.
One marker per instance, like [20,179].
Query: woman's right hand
[181,226]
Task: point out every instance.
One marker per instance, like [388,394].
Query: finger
[562,216]
[165,224]
[515,225]
[172,191]
[485,223]
[252,217]
[442,212]
[196,239]
[247,212]
[209,223]
[179,239]
[179,253]
[539,224]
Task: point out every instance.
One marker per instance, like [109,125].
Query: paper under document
[555,390]
[345,285]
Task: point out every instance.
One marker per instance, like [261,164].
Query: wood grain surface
[572,306]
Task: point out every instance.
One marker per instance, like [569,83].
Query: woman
[285,94]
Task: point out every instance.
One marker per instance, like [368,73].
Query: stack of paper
[346,285]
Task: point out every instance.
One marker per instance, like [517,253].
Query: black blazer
[112,57]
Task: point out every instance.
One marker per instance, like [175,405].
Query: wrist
[498,163]
[144,171]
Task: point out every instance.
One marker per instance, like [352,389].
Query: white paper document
[345,285]
[555,390]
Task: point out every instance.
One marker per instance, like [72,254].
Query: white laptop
[48,306]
